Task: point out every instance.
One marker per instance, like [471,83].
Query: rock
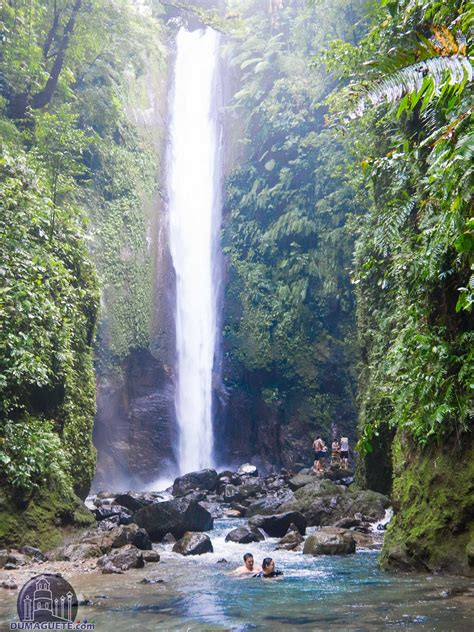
[247,470]
[222,561]
[147,580]
[239,507]
[330,541]
[105,494]
[204,479]
[232,513]
[264,506]
[300,480]
[250,489]
[173,516]
[33,552]
[17,559]
[9,584]
[169,539]
[277,525]
[151,556]
[213,508]
[130,501]
[105,512]
[292,540]
[125,558]
[77,551]
[193,544]
[109,523]
[231,493]
[108,569]
[245,535]
[129,534]
[347,523]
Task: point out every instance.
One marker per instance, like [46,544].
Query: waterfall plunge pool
[323,593]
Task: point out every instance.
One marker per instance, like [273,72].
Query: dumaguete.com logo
[48,602]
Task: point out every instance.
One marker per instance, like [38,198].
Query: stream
[317,593]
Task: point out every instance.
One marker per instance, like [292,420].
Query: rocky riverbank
[131,526]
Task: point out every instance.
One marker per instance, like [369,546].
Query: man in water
[248,567]
[268,569]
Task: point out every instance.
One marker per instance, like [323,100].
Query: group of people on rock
[339,453]
[249,568]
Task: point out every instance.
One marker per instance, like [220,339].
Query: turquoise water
[324,593]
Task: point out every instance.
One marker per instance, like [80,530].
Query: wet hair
[266,562]
[246,556]
[318,437]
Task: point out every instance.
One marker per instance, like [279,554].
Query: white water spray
[194,181]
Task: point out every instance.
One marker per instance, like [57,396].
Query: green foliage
[289,301]
[413,256]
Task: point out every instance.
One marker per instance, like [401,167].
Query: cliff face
[433,499]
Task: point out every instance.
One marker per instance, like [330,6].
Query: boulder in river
[193,544]
[277,525]
[245,535]
[126,557]
[173,516]
[131,501]
[203,479]
[33,552]
[231,493]
[330,541]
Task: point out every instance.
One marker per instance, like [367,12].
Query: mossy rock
[42,521]
[433,496]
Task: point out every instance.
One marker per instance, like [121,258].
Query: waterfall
[194,182]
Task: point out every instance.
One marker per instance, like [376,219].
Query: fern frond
[456,69]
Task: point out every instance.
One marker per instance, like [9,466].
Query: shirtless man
[344,452]
[248,568]
[319,454]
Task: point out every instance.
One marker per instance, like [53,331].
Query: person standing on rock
[335,452]
[344,452]
[319,454]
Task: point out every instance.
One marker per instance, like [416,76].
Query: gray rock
[131,501]
[213,508]
[330,541]
[265,506]
[173,516]
[169,539]
[9,584]
[245,535]
[108,569]
[151,556]
[247,469]
[277,525]
[33,552]
[231,493]
[193,544]
[292,540]
[76,551]
[125,558]
[250,489]
[204,480]
[300,480]
[3,557]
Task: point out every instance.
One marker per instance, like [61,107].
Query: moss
[43,521]
[433,496]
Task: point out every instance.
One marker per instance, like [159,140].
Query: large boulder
[173,516]
[193,544]
[131,501]
[204,480]
[251,488]
[126,557]
[276,526]
[270,505]
[330,541]
[245,535]
[76,551]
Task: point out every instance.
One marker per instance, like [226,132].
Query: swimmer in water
[268,570]
[248,568]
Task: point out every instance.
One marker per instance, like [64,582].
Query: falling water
[194,181]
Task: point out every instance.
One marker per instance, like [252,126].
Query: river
[322,593]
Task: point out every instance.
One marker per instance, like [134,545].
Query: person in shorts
[344,452]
